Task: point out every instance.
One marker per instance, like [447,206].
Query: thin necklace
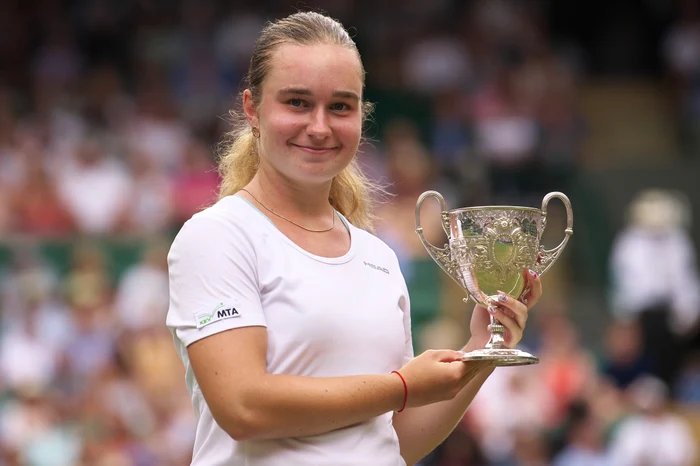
[290,221]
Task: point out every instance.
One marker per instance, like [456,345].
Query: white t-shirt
[231,267]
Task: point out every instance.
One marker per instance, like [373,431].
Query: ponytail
[239,161]
[353,195]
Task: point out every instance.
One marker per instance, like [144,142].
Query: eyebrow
[303,91]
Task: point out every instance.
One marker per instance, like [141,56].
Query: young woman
[291,319]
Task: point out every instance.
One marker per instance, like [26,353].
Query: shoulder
[226,219]
[372,243]
[226,228]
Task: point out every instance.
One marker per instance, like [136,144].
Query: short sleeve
[212,280]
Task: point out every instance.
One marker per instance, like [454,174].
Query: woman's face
[310,115]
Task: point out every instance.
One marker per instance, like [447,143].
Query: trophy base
[502,357]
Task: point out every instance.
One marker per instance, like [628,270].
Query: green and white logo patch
[220,312]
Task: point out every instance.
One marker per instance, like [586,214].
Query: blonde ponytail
[239,160]
[353,195]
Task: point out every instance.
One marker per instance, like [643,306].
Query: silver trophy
[489,248]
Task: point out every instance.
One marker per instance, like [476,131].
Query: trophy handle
[547,257]
[439,255]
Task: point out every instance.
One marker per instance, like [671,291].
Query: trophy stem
[497,352]
[497,341]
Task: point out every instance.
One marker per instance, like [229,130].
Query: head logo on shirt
[376,267]
[221,311]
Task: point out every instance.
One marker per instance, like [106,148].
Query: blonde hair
[351,192]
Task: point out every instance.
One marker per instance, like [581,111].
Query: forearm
[281,406]
[422,429]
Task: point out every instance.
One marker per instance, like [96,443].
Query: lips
[315,150]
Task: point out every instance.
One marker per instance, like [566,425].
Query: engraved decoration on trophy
[489,248]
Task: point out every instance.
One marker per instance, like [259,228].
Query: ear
[251,113]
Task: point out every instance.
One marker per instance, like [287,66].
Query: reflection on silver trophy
[489,248]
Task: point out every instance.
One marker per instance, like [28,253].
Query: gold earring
[256,132]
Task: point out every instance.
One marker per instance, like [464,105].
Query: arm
[247,402]
[422,429]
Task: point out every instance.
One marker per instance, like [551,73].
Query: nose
[318,126]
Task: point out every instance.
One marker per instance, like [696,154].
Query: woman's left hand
[511,312]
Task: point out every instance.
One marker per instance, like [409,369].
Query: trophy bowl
[488,250]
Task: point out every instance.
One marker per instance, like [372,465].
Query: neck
[288,197]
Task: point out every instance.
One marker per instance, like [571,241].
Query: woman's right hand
[438,375]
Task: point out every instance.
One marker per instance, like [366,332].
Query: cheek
[283,124]
[350,133]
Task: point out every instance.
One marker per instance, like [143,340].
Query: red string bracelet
[405,390]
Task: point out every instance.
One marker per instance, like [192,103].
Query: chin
[319,179]
[318,172]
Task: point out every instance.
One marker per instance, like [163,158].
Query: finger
[518,310]
[535,285]
[516,331]
[525,295]
[446,355]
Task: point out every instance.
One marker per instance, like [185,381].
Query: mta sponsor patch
[220,312]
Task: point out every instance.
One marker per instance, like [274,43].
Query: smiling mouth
[315,150]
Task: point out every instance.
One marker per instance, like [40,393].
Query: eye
[298,103]
[339,107]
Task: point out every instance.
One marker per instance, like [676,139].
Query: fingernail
[492,309]
[524,300]
[502,297]
[533,273]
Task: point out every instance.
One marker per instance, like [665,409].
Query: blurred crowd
[110,113]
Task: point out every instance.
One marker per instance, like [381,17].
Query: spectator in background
[196,183]
[624,359]
[155,130]
[9,159]
[506,133]
[530,448]
[27,361]
[562,129]
[565,367]
[585,440]
[148,209]
[31,282]
[688,384]
[34,432]
[38,209]
[514,400]
[141,300]
[654,435]
[106,102]
[24,152]
[88,292]
[681,50]
[655,277]
[95,187]
[459,449]
[435,63]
